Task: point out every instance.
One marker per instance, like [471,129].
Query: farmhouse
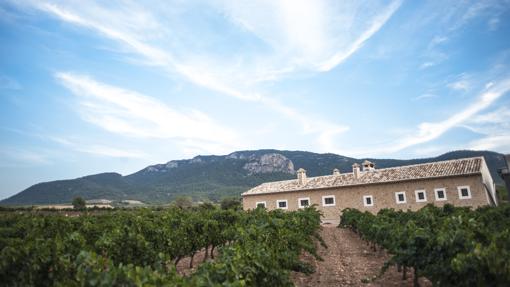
[461,182]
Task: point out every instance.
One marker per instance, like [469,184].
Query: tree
[231,203]
[79,203]
[183,201]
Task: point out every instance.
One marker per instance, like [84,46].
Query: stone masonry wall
[383,196]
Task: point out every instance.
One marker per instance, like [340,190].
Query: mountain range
[213,177]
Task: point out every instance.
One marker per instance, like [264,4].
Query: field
[209,246]
[142,247]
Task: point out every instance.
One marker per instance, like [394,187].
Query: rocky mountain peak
[268,163]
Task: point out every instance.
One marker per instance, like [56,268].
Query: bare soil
[349,261]
[183,265]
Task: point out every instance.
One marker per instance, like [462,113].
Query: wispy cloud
[498,116]
[100,150]
[211,71]
[429,131]
[494,128]
[454,17]
[492,142]
[460,85]
[425,96]
[132,114]
[493,23]
[20,157]
[310,35]
[375,26]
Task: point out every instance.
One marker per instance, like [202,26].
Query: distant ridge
[213,177]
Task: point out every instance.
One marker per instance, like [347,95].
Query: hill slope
[212,177]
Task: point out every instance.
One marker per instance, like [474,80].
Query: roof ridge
[390,168]
[431,162]
[461,166]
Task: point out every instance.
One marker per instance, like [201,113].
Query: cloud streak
[100,150]
[132,114]
[430,131]
[313,36]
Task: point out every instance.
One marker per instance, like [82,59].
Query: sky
[89,87]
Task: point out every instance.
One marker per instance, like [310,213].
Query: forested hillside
[212,177]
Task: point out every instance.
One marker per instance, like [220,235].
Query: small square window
[440,194]
[261,204]
[421,195]
[400,197]
[282,204]
[328,200]
[464,192]
[304,202]
[368,200]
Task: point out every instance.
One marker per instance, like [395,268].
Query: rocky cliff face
[161,167]
[269,163]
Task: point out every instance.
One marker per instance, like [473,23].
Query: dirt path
[183,265]
[348,261]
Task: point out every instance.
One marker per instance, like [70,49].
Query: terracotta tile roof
[446,168]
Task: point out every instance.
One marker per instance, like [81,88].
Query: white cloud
[494,128]
[493,23]
[430,131]
[216,73]
[425,96]
[129,113]
[19,157]
[299,36]
[112,152]
[375,25]
[492,142]
[310,35]
[99,150]
[499,116]
[461,85]
[427,65]
[427,132]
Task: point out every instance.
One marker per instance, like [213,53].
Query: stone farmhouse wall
[383,195]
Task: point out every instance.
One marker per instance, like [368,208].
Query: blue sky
[88,87]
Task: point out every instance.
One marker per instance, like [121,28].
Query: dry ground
[183,265]
[348,261]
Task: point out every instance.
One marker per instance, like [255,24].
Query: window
[421,195]
[304,202]
[368,200]
[328,200]
[440,194]
[282,204]
[261,204]
[464,192]
[400,197]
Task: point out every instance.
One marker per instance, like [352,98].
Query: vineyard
[449,246]
[142,247]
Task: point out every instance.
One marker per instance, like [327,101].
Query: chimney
[301,176]
[336,171]
[368,166]
[355,170]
